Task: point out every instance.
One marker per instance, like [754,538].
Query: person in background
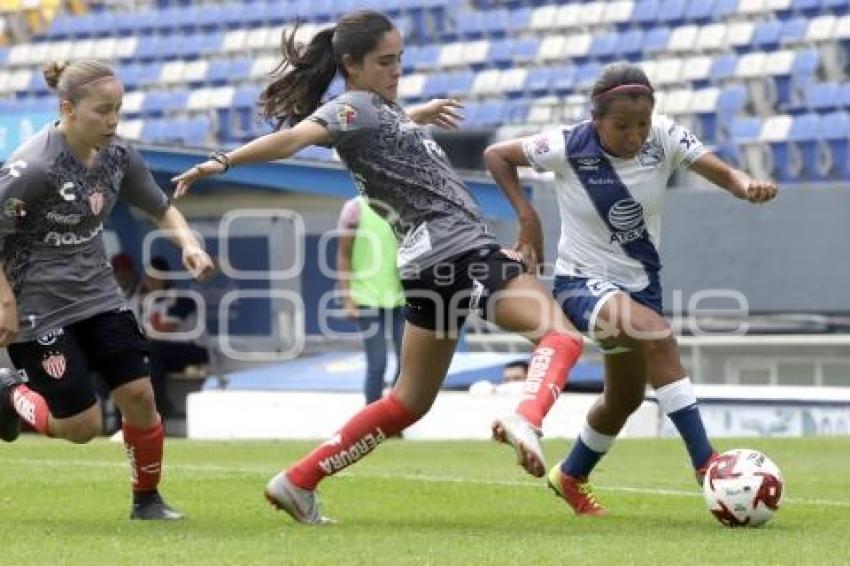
[370,287]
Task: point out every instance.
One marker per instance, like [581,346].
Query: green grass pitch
[412,503]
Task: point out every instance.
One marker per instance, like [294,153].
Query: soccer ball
[743,488]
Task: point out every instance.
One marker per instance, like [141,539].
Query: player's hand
[185,179]
[198,263]
[441,112]
[8,324]
[760,191]
[530,242]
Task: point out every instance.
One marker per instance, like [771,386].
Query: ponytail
[300,80]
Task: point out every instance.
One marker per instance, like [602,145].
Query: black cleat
[10,422]
[151,507]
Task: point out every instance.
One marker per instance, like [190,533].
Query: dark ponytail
[299,80]
[304,74]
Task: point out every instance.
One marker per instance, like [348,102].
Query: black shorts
[443,295]
[58,364]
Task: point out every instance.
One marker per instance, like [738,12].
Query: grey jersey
[407,179]
[51,227]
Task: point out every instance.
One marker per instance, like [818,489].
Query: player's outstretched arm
[442,112]
[733,180]
[502,160]
[195,259]
[276,145]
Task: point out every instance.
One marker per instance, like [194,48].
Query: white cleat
[300,504]
[525,438]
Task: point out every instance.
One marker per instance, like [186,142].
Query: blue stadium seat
[604,46]
[645,12]
[518,19]
[517,111]
[724,8]
[587,74]
[803,140]
[699,12]
[672,12]
[822,97]
[807,8]
[497,22]
[539,81]
[4,55]
[742,131]
[834,6]
[563,79]
[501,51]
[766,35]
[459,83]
[793,30]
[426,57]
[525,50]
[656,40]
[436,85]
[629,44]
[470,24]
[147,48]
[834,131]
[844,96]
[490,113]
[723,67]
[130,75]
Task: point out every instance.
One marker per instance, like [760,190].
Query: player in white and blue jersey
[611,175]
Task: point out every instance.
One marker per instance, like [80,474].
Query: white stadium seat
[544,17]
[411,86]
[618,12]
[704,101]
[578,45]
[126,46]
[751,65]
[568,16]
[512,80]
[195,71]
[486,82]
[821,28]
[59,50]
[779,62]
[234,40]
[131,129]
[650,68]
[450,54]
[39,54]
[552,47]
[776,128]
[221,97]
[133,102]
[696,68]
[678,102]
[842,27]
[199,99]
[668,71]
[711,37]
[475,52]
[683,38]
[591,13]
[105,47]
[739,34]
[171,72]
[777,5]
[83,49]
[263,66]
[257,38]
[750,7]
[19,54]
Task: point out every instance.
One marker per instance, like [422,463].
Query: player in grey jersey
[61,311]
[449,263]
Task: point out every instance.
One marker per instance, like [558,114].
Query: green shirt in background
[374,277]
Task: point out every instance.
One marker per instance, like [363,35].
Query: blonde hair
[70,78]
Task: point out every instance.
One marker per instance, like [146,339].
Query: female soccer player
[449,262]
[611,176]
[62,314]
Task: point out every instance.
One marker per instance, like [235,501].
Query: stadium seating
[721,67]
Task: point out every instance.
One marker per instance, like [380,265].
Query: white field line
[250,470]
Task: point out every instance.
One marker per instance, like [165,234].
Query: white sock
[676,396]
[594,440]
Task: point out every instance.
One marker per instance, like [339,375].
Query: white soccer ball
[743,488]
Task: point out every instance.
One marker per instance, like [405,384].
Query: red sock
[144,450]
[359,436]
[32,408]
[548,370]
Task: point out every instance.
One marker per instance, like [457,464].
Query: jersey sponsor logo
[96,202]
[588,163]
[55,365]
[50,337]
[626,217]
[601,181]
[66,191]
[66,219]
[58,239]
[346,114]
[14,208]
[651,154]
